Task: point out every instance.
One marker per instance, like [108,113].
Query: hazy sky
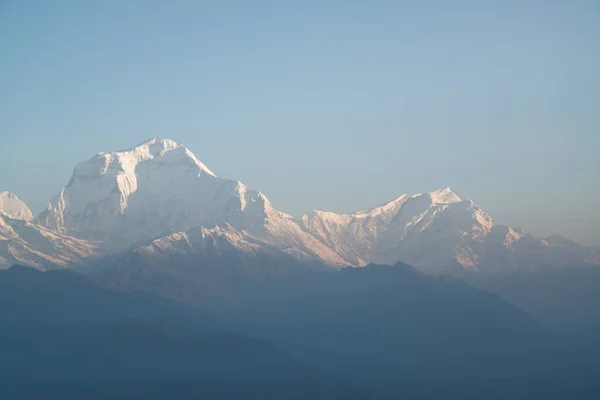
[327,104]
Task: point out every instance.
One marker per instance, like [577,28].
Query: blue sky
[336,105]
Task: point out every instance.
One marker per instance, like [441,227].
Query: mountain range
[160,196]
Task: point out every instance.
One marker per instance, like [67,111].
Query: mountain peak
[131,196]
[155,150]
[12,206]
[157,146]
[444,196]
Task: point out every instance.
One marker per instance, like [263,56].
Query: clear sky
[328,104]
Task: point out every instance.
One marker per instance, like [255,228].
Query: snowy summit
[12,206]
[160,187]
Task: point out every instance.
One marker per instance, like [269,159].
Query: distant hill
[63,337]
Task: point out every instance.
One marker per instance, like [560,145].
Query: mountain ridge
[121,200]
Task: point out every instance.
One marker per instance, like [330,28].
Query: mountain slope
[24,243]
[200,265]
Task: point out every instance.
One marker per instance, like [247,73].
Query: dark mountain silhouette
[566,299]
[64,337]
[390,330]
[398,333]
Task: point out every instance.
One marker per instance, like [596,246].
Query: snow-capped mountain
[436,232]
[159,187]
[386,232]
[12,206]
